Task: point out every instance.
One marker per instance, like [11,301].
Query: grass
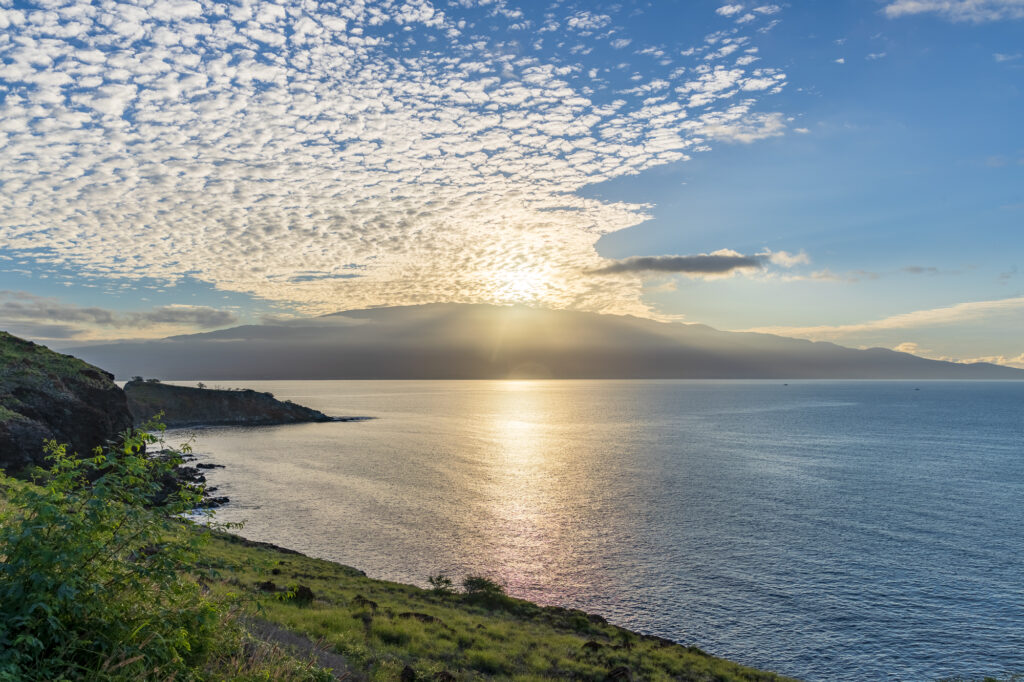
[20,356]
[383,627]
[8,415]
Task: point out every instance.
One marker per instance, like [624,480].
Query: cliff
[187,406]
[46,395]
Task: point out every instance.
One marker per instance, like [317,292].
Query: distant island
[460,341]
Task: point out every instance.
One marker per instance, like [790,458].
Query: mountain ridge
[477,341]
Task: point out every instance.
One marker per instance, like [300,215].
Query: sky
[849,171]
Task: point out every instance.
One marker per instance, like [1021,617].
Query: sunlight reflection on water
[825,530]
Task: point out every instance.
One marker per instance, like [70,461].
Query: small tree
[94,567]
[441,584]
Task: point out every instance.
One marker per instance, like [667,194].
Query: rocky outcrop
[188,406]
[44,395]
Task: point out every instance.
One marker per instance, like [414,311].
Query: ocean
[824,530]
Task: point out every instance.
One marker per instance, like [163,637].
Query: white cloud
[787,259]
[976,11]
[588,21]
[908,347]
[729,10]
[951,315]
[999,57]
[1006,361]
[741,126]
[303,153]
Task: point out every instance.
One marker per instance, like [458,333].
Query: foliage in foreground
[97,577]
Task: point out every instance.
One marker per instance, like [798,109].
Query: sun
[519,286]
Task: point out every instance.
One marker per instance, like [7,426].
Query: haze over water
[830,531]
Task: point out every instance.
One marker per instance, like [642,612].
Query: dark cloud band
[703,264]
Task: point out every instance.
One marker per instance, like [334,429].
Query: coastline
[394,631]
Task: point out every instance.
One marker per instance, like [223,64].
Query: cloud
[588,21]
[908,347]
[721,262]
[999,57]
[201,317]
[951,315]
[744,129]
[42,317]
[21,306]
[268,149]
[786,259]
[1006,361]
[976,11]
[729,10]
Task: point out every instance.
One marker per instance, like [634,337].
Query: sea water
[825,530]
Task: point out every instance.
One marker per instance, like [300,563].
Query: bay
[825,530]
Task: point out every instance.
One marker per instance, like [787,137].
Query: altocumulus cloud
[439,148]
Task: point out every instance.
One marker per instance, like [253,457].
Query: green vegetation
[385,627]
[16,353]
[99,578]
[103,578]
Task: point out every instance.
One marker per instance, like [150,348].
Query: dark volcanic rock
[187,406]
[46,395]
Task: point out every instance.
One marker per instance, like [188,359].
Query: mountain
[461,341]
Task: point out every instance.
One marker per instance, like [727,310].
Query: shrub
[475,584]
[441,584]
[93,578]
[487,593]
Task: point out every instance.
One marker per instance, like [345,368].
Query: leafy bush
[475,584]
[94,565]
[441,584]
[489,594]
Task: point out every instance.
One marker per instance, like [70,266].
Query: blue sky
[848,171]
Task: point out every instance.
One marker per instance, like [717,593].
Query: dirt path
[303,647]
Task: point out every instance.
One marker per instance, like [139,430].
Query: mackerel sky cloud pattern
[333,155]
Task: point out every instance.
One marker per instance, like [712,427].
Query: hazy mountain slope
[453,341]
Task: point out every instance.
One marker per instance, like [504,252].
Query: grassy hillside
[383,628]
[45,395]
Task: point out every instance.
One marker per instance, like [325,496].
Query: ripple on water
[831,531]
